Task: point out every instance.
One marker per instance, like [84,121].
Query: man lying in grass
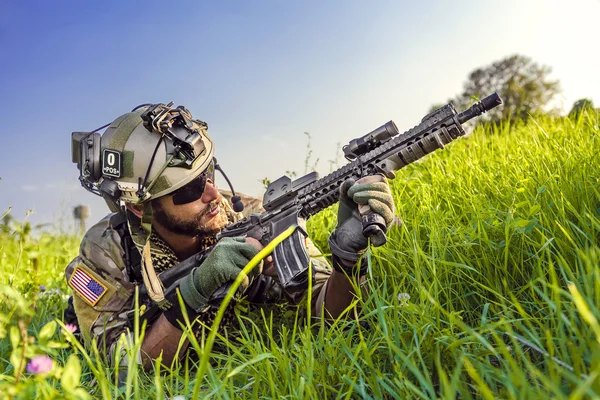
[155,168]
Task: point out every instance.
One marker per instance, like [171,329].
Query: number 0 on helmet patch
[111,163]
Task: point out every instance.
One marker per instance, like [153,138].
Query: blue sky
[259,72]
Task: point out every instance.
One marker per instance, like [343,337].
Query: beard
[193,226]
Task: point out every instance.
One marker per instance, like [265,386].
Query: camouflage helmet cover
[128,135]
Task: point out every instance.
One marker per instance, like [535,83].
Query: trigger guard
[256,233]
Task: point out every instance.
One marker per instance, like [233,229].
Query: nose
[210,192]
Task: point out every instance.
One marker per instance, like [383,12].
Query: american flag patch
[89,288]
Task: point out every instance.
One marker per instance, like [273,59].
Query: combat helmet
[145,154]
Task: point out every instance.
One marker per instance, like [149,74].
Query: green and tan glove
[224,263]
[347,241]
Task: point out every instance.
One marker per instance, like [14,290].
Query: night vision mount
[176,125]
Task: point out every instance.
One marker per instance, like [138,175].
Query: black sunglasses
[193,190]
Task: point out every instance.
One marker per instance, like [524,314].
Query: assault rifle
[382,151]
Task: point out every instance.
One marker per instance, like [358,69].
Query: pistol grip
[373,225]
[374,228]
[219,294]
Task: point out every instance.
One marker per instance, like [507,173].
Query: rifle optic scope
[360,146]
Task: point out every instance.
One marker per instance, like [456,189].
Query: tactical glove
[347,241]
[224,263]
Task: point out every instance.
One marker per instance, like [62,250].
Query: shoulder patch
[87,286]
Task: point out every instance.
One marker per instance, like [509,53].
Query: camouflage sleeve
[102,293]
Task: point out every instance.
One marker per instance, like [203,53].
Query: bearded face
[192,219]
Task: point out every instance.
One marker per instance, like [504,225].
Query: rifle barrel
[486,104]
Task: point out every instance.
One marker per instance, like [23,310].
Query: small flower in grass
[40,365]
[71,328]
[403,298]
[179,397]
[42,288]
[397,222]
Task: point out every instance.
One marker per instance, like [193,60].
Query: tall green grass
[489,289]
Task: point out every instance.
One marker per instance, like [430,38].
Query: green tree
[581,105]
[523,84]
[436,106]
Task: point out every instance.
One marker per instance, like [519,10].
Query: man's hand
[347,241]
[224,263]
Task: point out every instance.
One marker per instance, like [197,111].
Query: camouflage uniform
[105,306]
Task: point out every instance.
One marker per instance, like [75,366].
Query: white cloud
[62,186]
[29,188]
[282,144]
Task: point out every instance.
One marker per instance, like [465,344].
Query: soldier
[155,168]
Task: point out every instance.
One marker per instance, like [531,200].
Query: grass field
[489,289]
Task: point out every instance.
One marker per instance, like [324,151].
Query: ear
[136,209]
